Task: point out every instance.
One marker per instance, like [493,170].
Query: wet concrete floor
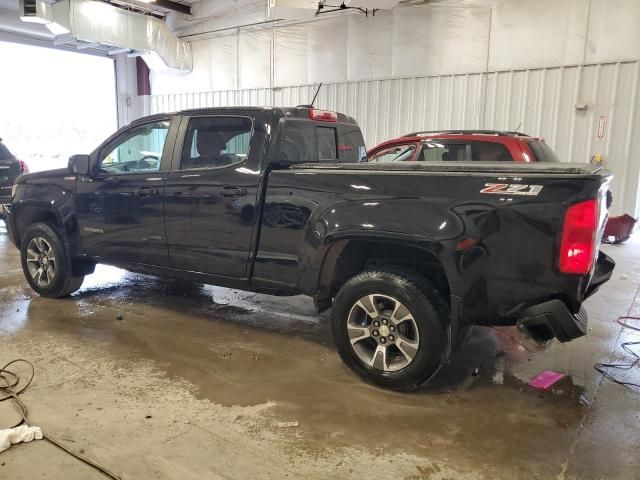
[161,379]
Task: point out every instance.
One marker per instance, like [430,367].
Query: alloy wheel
[382,332]
[41,262]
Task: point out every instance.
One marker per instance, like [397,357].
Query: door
[120,206]
[211,195]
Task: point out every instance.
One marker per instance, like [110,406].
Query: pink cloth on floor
[546,379]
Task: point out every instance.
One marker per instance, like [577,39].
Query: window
[351,144]
[440,151]
[399,153]
[213,142]
[327,148]
[137,150]
[489,152]
[463,151]
[543,152]
[306,142]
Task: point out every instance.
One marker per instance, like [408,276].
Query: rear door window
[212,142]
[463,151]
[543,152]
[442,151]
[489,152]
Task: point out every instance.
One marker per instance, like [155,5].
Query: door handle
[146,191]
[233,192]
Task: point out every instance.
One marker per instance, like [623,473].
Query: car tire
[390,327]
[45,263]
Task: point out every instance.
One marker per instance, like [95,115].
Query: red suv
[463,146]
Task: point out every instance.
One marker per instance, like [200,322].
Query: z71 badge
[511,189]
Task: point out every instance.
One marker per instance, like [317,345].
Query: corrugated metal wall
[541,102]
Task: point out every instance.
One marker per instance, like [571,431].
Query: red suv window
[542,151]
[463,151]
[397,153]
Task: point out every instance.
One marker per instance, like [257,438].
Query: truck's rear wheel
[45,263]
[389,327]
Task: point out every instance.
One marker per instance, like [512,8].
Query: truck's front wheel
[45,263]
[389,327]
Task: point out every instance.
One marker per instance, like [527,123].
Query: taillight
[323,115]
[24,168]
[578,244]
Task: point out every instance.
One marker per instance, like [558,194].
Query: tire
[414,335]
[42,249]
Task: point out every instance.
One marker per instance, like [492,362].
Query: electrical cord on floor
[8,383]
[626,346]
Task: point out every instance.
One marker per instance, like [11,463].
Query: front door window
[138,150]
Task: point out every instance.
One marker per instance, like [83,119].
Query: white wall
[541,101]
[439,65]
[437,38]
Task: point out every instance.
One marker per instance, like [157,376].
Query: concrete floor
[199,382]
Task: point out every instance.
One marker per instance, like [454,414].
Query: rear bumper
[552,319]
[602,273]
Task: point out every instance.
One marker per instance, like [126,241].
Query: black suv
[10,169]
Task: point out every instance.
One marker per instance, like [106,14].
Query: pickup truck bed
[443,222]
[407,254]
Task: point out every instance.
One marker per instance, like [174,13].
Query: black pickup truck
[275,200]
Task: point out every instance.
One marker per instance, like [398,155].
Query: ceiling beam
[84,46]
[171,5]
[116,51]
[157,8]
[64,39]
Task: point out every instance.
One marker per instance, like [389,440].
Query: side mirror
[79,164]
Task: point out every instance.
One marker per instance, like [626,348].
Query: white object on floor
[20,434]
